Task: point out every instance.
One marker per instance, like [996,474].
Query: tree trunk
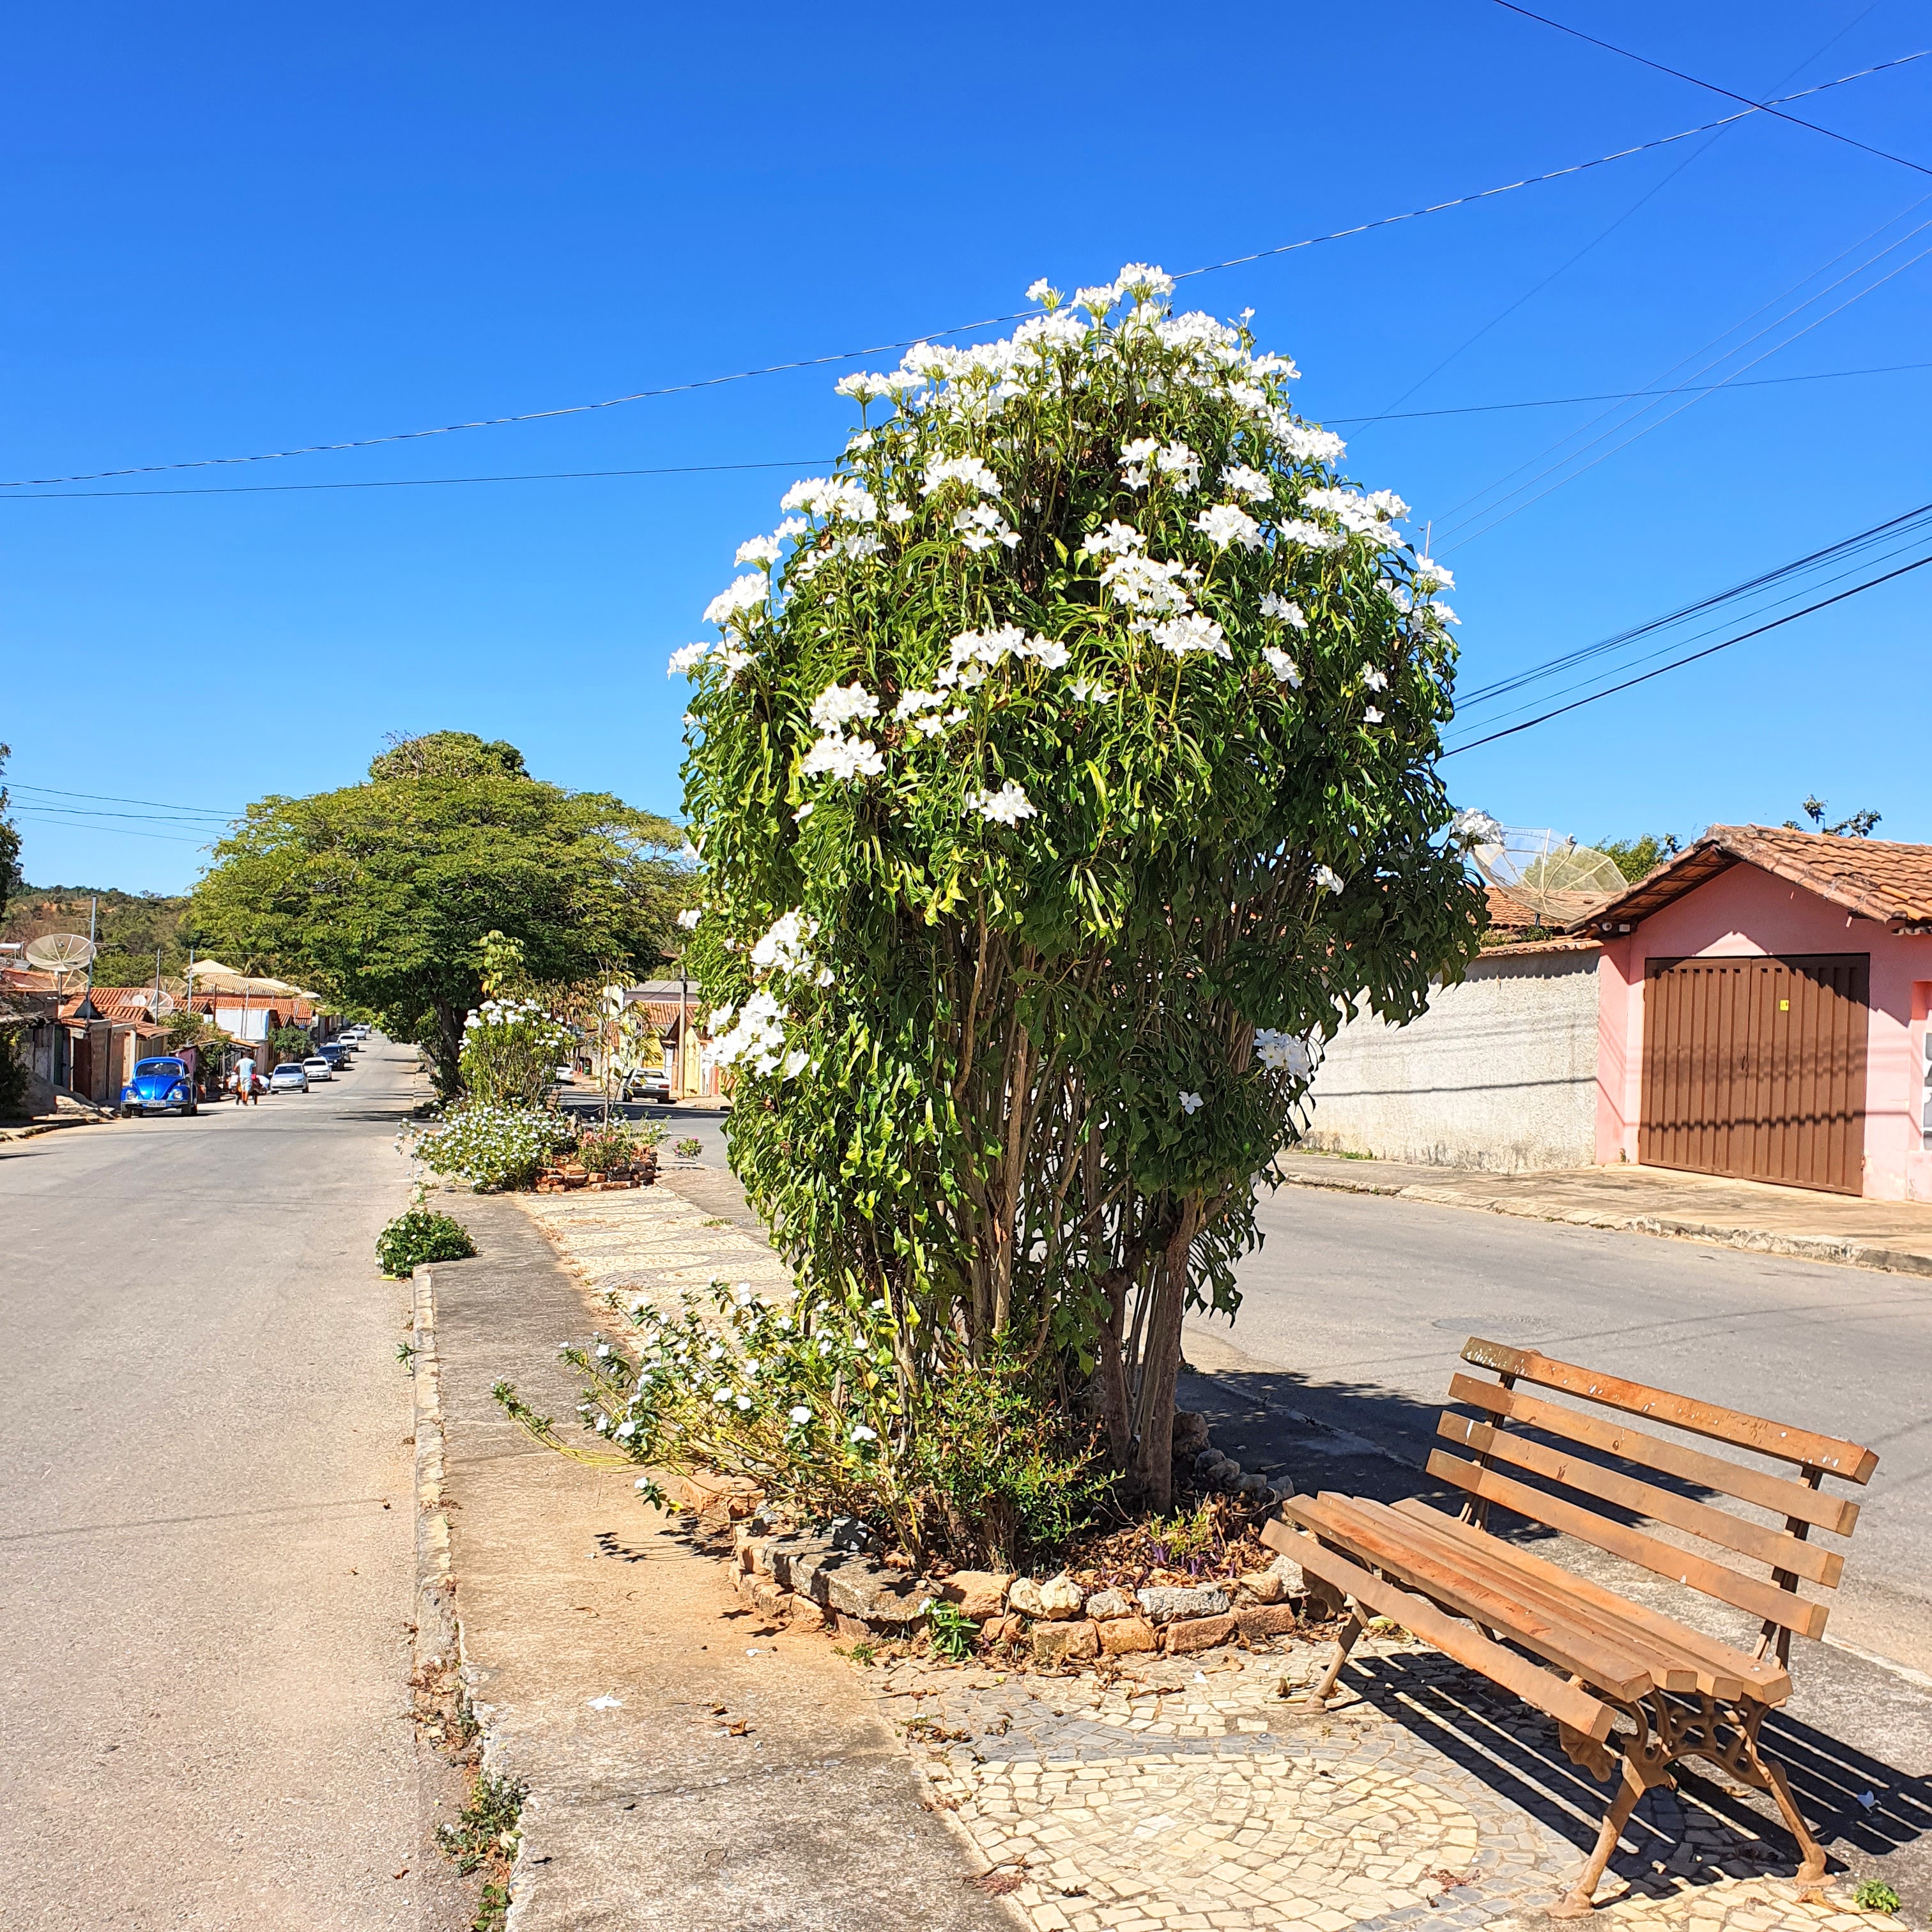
[1117,1286]
[448,1051]
[1153,1459]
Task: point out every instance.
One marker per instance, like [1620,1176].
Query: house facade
[1757,1009]
[1763,1002]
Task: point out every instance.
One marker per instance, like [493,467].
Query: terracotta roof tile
[1875,878]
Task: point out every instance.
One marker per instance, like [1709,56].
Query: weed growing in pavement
[1874,1895]
[406,1355]
[689,1148]
[421,1235]
[486,1831]
[493,1909]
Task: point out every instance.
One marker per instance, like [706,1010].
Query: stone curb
[43,1127]
[438,1640]
[1846,1252]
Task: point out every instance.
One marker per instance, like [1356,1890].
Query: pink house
[1763,1003]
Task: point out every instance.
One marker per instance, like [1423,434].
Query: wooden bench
[1577,1651]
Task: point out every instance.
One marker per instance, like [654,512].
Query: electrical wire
[1906,521]
[962,328]
[1711,650]
[124,831]
[114,798]
[1710,87]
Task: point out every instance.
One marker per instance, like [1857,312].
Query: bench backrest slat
[1778,1548]
[1784,1607]
[1786,1494]
[1830,1454]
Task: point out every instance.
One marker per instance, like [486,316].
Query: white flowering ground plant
[494,1148]
[1063,765]
[808,1408]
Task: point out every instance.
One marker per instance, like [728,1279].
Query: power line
[1710,87]
[1710,650]
[113,798]
[805,462]
[125,832]
[962,328]
[1700,607]
[410,482]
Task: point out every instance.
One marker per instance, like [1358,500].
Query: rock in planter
[1192,1633]
[1065,1642]
[1122,1636]
[1190,1433]
[1055,1601]
[978,1593]
[1002,1629]
[1104,1605]
[1166,1604]
[1262,1586]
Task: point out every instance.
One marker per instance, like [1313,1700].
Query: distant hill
[130,926]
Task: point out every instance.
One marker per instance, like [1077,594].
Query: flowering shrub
[1062,768]
[616,1143]
[495,1147]
[806,1408]
[511,1049]
[420,1235]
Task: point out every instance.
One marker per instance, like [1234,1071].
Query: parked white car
[289,1077]
[318,1069]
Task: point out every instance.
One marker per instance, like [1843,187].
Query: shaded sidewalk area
[1894,1235]
[686,1766]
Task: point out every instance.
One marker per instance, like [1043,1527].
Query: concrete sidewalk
[1894,1235]
[687,1766]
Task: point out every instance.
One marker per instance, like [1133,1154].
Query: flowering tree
[1063,766]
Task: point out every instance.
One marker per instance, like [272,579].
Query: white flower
[801,1415]
[1282,1053]
[785,946]
[1306,445]
[1136,458]
[1191,632]
[832,497]
[793,1064]
[688,918]
[1191,1104]
[1089,690]
[861,1433]
[1096,301]
[846,758]
[686,658]
[1116,539]
[758,550]
[627,1429]
[912,703]
[1147,584]
[1327,878]
[1178,461]
[721,1395]
[1371,716]
[1254,484]
[743,1402]
[898,513]
[1006,806]
[1428,571]
[1044,292]
[1048,654]
[1289,613]
[1224,523]
[716,1351]
[971,470]
[1375,680]
[1310,536]
[1148,284]
[837,704]
[1440,613]
[744,593]
[866,388]
[1283,666]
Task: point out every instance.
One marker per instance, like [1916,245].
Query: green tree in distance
[10,841]
[1860,825]
[383,893]
[1637,858]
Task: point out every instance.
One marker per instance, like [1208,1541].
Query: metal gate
[1755,1068]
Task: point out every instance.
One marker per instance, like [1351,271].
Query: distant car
[647,1083]
[159,1086]
[317,1068]
[565,1075]
[335,1053]
[289,1077]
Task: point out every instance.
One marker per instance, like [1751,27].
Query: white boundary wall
[1499,1073]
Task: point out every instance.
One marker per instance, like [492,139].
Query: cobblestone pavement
[1191,1793]
[1171,1795]
[651,1241]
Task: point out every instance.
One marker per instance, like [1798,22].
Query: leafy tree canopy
[382,894]
[9,841]
[1859,825]
[1637,858]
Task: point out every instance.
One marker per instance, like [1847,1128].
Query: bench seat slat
[1778,1548]
[1785,1494]
[1549,1694]
[1723,1672]
[1392,1545]
[1784,1607]
[1831,1453]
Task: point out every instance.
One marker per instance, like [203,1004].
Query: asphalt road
[1356,1306]
[205,1505]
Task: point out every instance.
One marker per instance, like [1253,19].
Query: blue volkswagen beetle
[157,1087]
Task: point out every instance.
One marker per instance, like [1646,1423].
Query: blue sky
[232,232]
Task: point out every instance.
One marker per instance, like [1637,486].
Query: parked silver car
[317,1068]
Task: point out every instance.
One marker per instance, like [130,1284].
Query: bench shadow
[1861,1808]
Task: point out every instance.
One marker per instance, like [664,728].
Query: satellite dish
[161,1003]
[1557,879]
[59,953]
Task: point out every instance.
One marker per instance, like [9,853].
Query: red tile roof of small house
[1874,878]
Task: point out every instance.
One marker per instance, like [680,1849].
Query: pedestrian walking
[244,1083]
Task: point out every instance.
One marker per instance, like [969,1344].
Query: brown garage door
[1756,1068]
